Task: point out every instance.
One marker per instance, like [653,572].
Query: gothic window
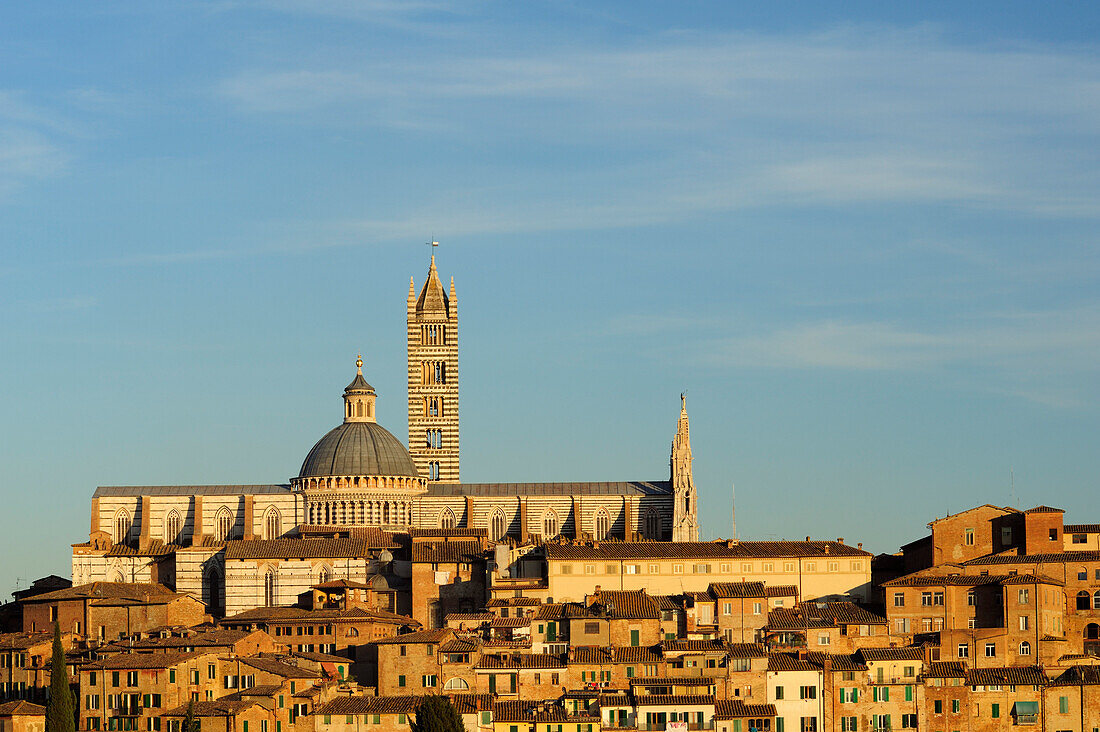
[122,526]
[433,470]
[172,525]
[118,578]
[212,587]
[223,524]
[447,518]
[439,372]
[433,407]
[653,524]
[271,588]
[603,524]
[358,408]
[498,528]
[272,524]
[324,574]
[549,525]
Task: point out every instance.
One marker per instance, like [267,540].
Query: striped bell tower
[433,378]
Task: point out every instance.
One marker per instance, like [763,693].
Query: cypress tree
[437,714]
[59,708]
[189,718]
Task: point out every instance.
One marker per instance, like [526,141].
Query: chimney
[859,545]
[840,540]
[826,548]
[807,538]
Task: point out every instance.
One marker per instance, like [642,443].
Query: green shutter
[1063,704]
[493,682]
[886,695]
[996,711]
[908,693]
[400,680]
[737,725]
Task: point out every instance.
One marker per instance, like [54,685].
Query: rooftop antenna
[1012,485]
[733,509]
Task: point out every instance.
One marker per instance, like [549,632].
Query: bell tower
[433,378]
[685,517]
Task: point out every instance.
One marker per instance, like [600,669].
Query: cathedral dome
[358,448]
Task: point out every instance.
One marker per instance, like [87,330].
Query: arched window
[498,529]
[352,633]
[1084,602]
[272,524]
[549,525]
[1096,600]
[1025,649]
[358,408]
[324,574]
[653,524]
[119,577]
[122,526]
[433,470]
[456,684]
[212,588]
[1092,631]
[223,524]
[271,588]
[603,524]
[172,526]
[447,519]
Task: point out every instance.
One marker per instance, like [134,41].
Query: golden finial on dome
[359,363]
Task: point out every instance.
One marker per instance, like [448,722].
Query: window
[971,598]
[849,724]
[809,724]
[603,524]
[811,566]
[1080,538]
[654,569]
[937,598]
[833,566]
[899,599]
[401,681]
[1025,649]
[497,526]
[1006,535]
[428,681]
[702,569]
[1025,622]
[652,524]
[447,519]
[757,608]
[955,706]
[273,528]
[677,569]
[995,711]
[172,527]
[1063,704]
[964,650]
[549,524]
[610,569]
[779,692]
[1022,596]
[433,470]
[1054,534]
[937,706]
[568,569]
[990,650]
[727,608]
[968,535]
[271,589]
[807,692]
[926,599]
[591,628]
[223,524]
[630,569]
[122,526]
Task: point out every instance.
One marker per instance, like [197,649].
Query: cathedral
[359,484]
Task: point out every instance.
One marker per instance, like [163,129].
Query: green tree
[59,708]
[190,724]
[437,714]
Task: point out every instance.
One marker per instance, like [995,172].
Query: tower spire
[685,521]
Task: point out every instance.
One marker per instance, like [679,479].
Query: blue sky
[861,237]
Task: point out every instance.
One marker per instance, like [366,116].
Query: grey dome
[358,448]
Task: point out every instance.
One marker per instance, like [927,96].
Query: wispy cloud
[726,121]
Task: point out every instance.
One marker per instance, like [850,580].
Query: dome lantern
[359,397]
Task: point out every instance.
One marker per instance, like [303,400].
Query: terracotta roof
[155,548]
[469,617]
[736,589]
[1049,558]
[781,591]
[258,690]
[926,579]
[821,615]
[945,670]
[142,661]
[1011,676]
[219,708]
[1077,676]
[470,702]
[278,668]
[789,662]
[553,611]
[1002,509]
[636,654]
[510,623]
[746,650]
[420,636]
[341,584]
[23,641]
[187,490]
[838,662]
[737,709]
[700,550]
[376,537]
[520,661]
[694,646]
[371,705]
[1081,529]
[319,657]
[301,615]
[512,602]
[21,709]
[629,604]
[666,602]
[298,548]
[144,592]
[664,700]
[477,533]
[892,654]
[671,681]
[217,638]
[1044,509]
[448,552]
[458,645]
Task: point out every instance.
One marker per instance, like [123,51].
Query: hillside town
[375,578]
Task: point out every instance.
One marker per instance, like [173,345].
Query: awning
[1027,707]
